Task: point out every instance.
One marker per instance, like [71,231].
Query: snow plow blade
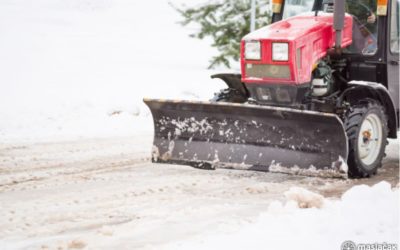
[242,136]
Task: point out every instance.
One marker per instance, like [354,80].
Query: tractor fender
[358,90]
[234,81]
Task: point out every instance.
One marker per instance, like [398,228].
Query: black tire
[353,121]
[229,95]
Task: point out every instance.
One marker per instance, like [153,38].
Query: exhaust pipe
[338,22]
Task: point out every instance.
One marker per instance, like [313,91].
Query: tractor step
[243,136]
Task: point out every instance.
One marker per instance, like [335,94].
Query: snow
[101,194]
[66,66]
[304,198]
[75,143]
[309,221]
[334,172]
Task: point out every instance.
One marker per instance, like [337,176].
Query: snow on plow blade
[243,136]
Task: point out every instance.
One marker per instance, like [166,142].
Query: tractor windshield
[365,28]
[296,7]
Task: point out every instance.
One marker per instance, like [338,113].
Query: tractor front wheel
[366,128]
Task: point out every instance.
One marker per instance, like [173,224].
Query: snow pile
[364,215]
[304,198]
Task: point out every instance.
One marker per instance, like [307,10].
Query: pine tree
[226,22]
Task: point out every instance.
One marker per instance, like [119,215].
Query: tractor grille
[268,71]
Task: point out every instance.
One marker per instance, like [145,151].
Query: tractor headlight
[280,51]
[252,50]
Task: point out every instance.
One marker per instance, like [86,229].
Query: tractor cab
[373,55]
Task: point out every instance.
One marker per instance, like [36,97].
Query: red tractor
[318,94]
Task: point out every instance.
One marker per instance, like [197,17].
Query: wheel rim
[370,139]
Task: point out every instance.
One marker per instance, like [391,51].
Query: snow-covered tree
[226,22]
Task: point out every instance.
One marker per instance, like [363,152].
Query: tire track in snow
[30,163]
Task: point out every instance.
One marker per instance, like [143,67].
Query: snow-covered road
[105,193]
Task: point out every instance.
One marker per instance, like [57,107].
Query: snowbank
[66,65]
[363,214]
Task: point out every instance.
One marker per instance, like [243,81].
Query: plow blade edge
[244,136]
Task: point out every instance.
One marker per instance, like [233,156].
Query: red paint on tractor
[311,35]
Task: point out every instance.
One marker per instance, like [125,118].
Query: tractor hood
[295,27]
[286,51]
